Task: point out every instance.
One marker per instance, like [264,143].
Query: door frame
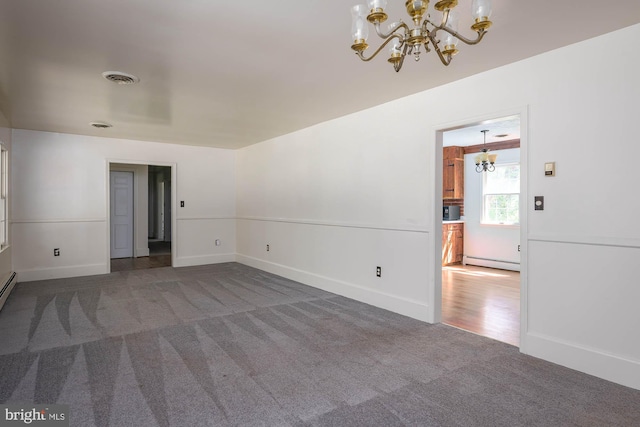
[435,290]
[173,166]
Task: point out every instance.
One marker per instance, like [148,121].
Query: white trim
[338,224]
[621,242]
[206,218]
[490,224]
[490,263]
[524,227]
[190,261]
[56,221]
[404,306]
[62,272]
[591,361]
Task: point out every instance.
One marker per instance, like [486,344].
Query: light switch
[550,169]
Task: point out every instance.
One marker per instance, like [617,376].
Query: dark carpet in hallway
[229,345]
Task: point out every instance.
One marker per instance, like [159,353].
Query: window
[4,188]
[501,195]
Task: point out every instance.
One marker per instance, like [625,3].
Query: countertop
[458,221]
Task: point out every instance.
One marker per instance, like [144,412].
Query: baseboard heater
[491,263]
[7,287]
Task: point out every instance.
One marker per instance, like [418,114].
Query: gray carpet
[229,345]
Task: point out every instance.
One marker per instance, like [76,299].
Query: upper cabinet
[453,173]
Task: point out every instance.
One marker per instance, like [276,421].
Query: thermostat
[550,169]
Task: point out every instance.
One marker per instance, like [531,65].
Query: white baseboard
[490,263]
[203,260]
[61,272]
[404,306]
[588,360]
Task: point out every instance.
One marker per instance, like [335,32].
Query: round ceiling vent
[120,77]
[100,125]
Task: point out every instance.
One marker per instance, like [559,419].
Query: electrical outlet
[538,203]
[267,248]
[378,271]
[518,248]
[56,252]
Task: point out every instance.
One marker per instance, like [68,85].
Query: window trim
[4,195]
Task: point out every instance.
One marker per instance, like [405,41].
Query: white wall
[59,186]
[347,195]
[482,241]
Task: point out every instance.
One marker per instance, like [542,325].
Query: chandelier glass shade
[485,162]
[405,39]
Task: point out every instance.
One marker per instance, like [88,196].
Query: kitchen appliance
[450,213]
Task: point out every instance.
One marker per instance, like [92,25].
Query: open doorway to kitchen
[481,228]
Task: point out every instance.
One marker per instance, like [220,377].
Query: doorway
[481,287]
[149,225]
[159,231]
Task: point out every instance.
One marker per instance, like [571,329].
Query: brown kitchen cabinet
[452,243]
[453,173]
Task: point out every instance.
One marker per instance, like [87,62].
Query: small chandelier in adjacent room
[440,35]
[484,160]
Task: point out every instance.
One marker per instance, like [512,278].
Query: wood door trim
[493,146]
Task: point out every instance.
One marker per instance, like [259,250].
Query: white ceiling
[499,129]
[231,74]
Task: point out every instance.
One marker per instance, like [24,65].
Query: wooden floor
[482,300]
[159,256]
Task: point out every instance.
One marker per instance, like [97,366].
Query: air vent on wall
[120,77]
[100,125]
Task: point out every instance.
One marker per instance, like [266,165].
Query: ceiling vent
[120,77]
[101,125]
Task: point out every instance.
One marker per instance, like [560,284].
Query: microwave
[450,213]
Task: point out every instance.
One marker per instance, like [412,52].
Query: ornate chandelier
[485,161]
[408,41]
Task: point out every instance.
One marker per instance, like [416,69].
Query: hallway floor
[482,300]
[159,256]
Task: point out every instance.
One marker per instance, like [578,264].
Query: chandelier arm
[426,45]
[386,42]
[446,60]
[445,17]
[456,34]
[398,65]
[393,28]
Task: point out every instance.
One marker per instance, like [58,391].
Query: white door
[121,214]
